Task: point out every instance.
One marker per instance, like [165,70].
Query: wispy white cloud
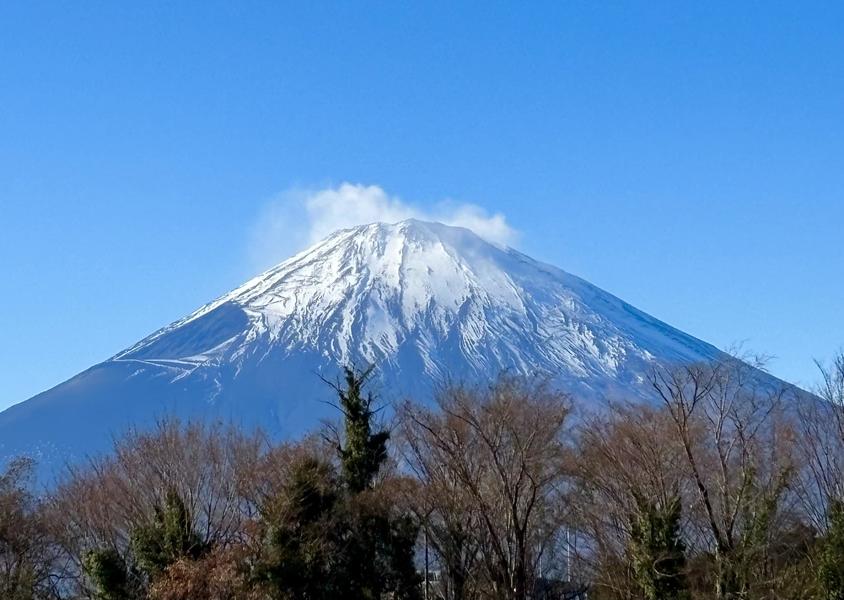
[300,217]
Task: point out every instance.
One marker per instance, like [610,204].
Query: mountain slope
[423,301]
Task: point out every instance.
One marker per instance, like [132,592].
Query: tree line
[725,486]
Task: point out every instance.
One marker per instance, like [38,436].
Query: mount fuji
[423,302]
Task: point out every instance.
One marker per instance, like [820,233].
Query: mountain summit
[424,302]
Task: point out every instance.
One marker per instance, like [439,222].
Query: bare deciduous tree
[821,423]
[444,507]
[628,459]
[100,505]
[505,447]
[30,567]
[737,447]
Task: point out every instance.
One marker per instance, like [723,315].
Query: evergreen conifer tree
[342,537]
[168,538]
[831,559]
[364,452]
[657,550]
[379,558]
[304,540]
[107,570]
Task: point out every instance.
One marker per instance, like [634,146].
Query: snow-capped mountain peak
[366,294]
[421,301]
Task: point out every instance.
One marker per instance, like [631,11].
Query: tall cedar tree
[364,452]
[379,552]
[341,539]
[657,550]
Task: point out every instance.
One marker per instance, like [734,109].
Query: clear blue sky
[688,157]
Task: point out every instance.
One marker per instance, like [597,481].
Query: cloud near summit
[300,217]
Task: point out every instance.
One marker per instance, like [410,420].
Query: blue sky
[688,157]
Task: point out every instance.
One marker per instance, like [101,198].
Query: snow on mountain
[422,301]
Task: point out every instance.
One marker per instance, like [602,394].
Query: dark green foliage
[364,452]
[742,563]
[169,537]
[378,556]
[400,573]
[790,558]
[336,537]
[379,550]
[304,540]
[749,561]
[657,551]
[107,571]
[831,558]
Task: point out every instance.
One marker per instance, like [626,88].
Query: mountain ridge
[424,302]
